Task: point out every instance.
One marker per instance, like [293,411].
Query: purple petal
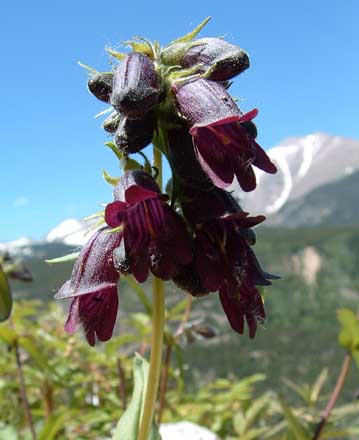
[94,270]
[263,161]
[233,312]
[136,194]
[114,213]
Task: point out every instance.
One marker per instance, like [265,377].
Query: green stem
[158,319]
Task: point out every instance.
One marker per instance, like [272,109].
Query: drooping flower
[224,147]
[93,288]
[226,263]
[155,236]
[135,86]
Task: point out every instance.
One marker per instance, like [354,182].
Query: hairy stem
[158,319]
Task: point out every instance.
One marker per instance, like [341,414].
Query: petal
[210,272]
[94,269]
[233,312]
[114,213]
[246,178]
[263,161]
[73,321]
[215,164]
[136,193]
[249,115]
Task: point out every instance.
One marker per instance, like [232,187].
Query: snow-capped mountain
[71,232]
[304,164]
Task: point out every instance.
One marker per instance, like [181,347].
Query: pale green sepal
[142,46]
[95,215]
[192,34]
[109,179]
[5,297]
[118,55]
[89,68]
[117,152]
[65,258]
[131,164]
[111,231]
[128,425]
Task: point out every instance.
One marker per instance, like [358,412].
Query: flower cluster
[197,235]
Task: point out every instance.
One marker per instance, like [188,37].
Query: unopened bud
[100,85]
[223,60]
[133,135]
[135,86]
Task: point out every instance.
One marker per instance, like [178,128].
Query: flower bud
[135,86]
[203,102]
[222,59]
[132,135]
[100,85]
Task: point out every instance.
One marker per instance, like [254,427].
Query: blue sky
[303,77]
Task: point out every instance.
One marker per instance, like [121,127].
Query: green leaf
[65,258]
[54,424]
[7,335]
[109,179]
[127,427]
[293,422]
[39,357]
[5,297]
[349,334]
[192,34]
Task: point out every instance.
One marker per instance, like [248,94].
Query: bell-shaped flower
[224,147]
[226,263]
[93,287]
[155,236]
[135,86]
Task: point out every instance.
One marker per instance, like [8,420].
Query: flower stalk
[158,319]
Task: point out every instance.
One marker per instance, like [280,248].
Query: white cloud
[20,202]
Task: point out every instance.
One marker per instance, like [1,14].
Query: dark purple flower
[132,135]
[100,85]
[155,236]
[224,59]
[135,86]
[93,287]
[96,312]
[226,263]
[224,147]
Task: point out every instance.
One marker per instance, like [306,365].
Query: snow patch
[71,231]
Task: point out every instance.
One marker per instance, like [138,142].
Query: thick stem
[158,320]
[167,361]
[334,397]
